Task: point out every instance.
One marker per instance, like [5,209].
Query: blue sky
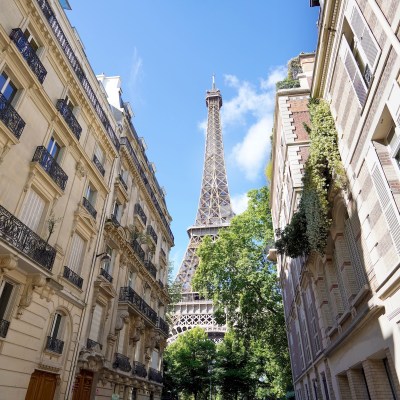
[166,53]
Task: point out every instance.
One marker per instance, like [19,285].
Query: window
[32,210]
[117,211]
[69,103]
[31,40]
[6,296]
[97,319]
[78,245]
[91,194]
[131,279]
[99,154]
[7,87]
[57,325]
[108,262]
[54,148]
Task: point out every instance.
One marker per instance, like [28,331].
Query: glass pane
[53,148]
[5,299]
[56,325]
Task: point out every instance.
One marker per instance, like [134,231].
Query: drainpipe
[89,290]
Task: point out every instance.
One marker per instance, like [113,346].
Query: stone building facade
[84,227]
[342,308]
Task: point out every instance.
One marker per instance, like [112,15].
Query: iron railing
[139,369]
[69,117]
[10,117]
[151,268]
[139,211]
[55,345]
[89,207]
[155,375]
[122,362]
[160,284]
[106,275]
[17,36]
[98,165]
[4,327]
[128,294]
[76,66]
[114,220]
[152,233]
[18,235]
[49,164]
[138,249]
[93,345]
[73,277]
[163,325]
[126,143]
[122,181]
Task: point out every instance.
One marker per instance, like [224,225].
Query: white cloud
[202,126]
[253,108]
[136,69]
[239,203]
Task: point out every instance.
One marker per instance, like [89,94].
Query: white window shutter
[76,253]
[32,210]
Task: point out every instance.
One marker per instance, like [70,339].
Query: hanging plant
[323,171]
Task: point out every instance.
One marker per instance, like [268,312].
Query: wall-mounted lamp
[106,256]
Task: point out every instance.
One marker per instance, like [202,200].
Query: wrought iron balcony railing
[151,268]
[163,325]
[106,275]
[98,165]
[4,327]
[122,181]
[49,164]
[89,207]
[17,36]
[18,235]
[69,117]
[160,284]
[128,294]
[139,369]
[73,277]
[152,233]
[10,117]
[155,375]
[76,66]
[138,249]
[139,211]
[114,220]
[128,146]
[122,362]
[93,345]
[55,345]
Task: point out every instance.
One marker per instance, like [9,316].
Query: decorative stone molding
[8,262]
[136,329]
[32,283]
[122,318]
[80,170]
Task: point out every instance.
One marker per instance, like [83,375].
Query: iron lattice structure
[214,212]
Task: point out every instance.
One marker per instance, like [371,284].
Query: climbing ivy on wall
[323,171]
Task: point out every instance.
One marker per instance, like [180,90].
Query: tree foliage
[235,273]
[188,360]
[323,171]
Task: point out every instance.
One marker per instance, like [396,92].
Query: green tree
[243,284]
[188,360]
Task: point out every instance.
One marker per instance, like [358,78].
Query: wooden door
[83,385]
[42,386]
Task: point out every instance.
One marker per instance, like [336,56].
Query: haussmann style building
[84,228]
[342,306]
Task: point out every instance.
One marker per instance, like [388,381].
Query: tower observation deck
[214,212]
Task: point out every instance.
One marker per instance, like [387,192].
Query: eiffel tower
[214,212]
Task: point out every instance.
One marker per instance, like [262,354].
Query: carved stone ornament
[33,282]
[136,329]
[8,262]
[90,361]
[80,170]
[122,318]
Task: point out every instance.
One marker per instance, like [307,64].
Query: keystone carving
[122,318]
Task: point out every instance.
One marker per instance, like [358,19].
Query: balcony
[122,362]
[160,284]
[113,218]
[152,233]
[151,268]
[4,327]
[49,164]
[98,165]
[128,294]
[106,275]
[122,181]
[17,36]
[139,369]
[139,211]
[162,325]
[69,118]
[73,277]
[55,345]
[93,345]
[22,238]
[89,207]
[138,249]
[77,68]
[155,375]
[10,117]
